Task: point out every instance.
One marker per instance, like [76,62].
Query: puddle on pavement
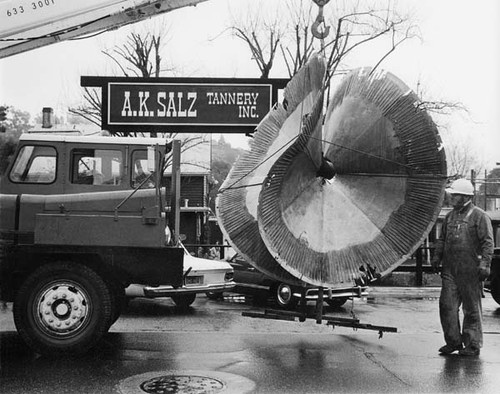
[236,299]
[387,300]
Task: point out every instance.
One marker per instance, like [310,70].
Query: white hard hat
[461,186]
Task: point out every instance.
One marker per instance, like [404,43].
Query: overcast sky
[458,60]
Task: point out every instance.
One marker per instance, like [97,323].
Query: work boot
[448,349]
[469,351]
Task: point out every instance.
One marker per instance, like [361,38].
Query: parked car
[250,281]
[200,276]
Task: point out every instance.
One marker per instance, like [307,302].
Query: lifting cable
[232,186]
[408,167]
[320,31]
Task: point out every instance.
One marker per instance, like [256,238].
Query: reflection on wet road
[212,344]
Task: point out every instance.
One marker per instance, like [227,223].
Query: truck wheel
[63,307]
[495,289]
[120,301]
[336,302]
[283,295]
[184,300]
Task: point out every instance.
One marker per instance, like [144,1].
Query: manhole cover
[182,384]
[185,382]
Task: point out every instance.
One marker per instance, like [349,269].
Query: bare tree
[460,158]
[438,106]
[460,155]
[352,25]
[300,45]
[91,109]
[262,33]
[139,56]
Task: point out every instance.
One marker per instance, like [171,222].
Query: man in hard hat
[464,248]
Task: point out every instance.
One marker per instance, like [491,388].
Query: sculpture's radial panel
[390,173]
[237,202]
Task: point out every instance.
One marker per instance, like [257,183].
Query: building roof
[195,155]
[91,139]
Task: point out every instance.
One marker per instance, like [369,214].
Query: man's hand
[483,270]
[435,263]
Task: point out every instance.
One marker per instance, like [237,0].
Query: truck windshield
[34,164]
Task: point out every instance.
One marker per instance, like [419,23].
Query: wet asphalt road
[213,344]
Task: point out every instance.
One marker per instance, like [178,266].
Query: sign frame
[111,84]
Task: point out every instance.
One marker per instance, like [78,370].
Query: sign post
[175,190]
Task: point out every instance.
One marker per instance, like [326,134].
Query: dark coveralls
[466,242]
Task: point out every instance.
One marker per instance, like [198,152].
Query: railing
[419,268]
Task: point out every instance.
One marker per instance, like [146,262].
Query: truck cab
[82,218]
[66,164]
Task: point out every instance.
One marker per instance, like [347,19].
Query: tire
[120,301]
[336,302]
[283,295]
[184,300]
[63,308]
[495,289]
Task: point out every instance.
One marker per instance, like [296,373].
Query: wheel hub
[62,308]
[285,294]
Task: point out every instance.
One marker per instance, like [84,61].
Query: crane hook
[320,33]
[321,3]
[315,28]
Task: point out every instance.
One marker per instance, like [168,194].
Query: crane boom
[30,24]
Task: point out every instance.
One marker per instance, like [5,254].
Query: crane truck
[77,226]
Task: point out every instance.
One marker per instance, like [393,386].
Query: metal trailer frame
[303,314]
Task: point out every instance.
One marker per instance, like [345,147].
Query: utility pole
[485,191]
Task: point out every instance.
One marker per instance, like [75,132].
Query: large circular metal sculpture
[237,202]
[312,203]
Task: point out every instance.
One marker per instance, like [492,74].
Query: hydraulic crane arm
[30,24]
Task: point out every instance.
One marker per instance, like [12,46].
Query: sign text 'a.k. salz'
[186,104]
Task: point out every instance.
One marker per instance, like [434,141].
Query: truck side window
[96,167]
[34,164]
[140,169]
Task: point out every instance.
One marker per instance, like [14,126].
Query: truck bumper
[169,291]
[356,292]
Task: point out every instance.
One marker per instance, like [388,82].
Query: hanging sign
[185,105]
[188,104]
